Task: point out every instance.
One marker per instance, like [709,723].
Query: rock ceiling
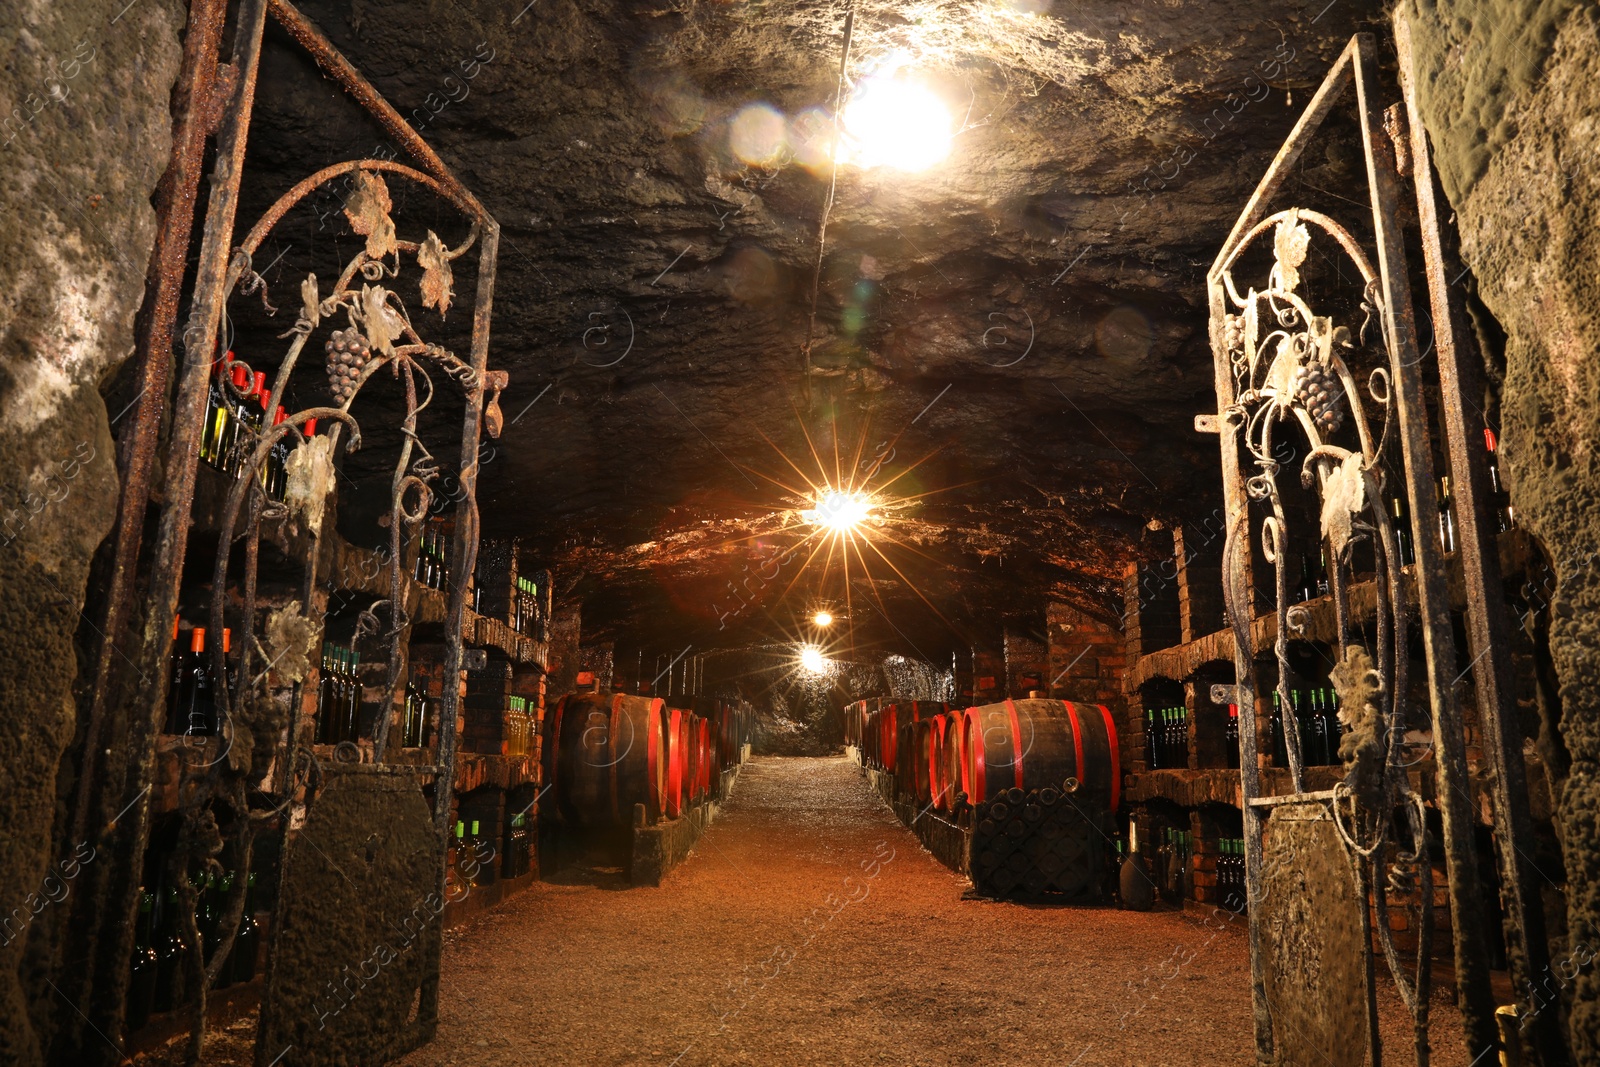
[1013,341]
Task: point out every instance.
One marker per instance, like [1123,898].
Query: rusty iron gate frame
[1247,408]
[217,99]
[1488,631]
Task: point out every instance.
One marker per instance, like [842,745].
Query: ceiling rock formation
[1013,339]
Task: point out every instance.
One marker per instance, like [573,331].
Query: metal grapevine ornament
[348,352]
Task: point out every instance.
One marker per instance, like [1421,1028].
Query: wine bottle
[1308,583]
[240,416]
[1322,572]
[467,857]
[1152,739]
[406,717]
[1402,532]
[1447,516]
[352,716]
[1169,864]
[325,697]
[1180,886]
[145,964]
[1280,745]
[216,424]
[1134,884]
[484,852]
[1499,499]
[1302,727]
[1317,727]
[260,399]
[1230,874]
[1183,736]
[199,706]
[276,480]
[173,723]
[1231,743]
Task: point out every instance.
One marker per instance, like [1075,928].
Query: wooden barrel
[918,710]
[854,715]
[677,742]
[906,760]
[708,758]
[918,752]
[938,782]
[952,758]
[638,766]
[888,736]
[603,754]
[697,758]
[1031,744]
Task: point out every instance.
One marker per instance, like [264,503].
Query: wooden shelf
[1217,785]
[1181,662]
[474,770]
[1189,788]
[348,568]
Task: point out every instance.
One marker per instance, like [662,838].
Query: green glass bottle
[352,713]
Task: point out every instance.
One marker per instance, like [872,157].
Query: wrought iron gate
[1335,381]
[262,767]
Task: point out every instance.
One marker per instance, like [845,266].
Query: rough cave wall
[84,136]
[1511,96]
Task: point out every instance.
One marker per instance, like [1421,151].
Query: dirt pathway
[809,927]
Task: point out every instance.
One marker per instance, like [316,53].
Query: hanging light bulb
[894,121]
[813,661]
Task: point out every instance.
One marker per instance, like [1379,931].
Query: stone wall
[84,137]
[1511,97]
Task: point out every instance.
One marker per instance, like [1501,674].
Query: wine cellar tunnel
[844,531]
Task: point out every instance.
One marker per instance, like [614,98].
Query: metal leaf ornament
[368,211]
[310,471]
[1290,242]
[437,279]
[310,302]
[1344,496]
[382,326]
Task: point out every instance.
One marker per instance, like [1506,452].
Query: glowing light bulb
[839,511]
[893,122]
[812,659]
[822,618]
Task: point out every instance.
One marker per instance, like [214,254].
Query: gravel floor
[809,927]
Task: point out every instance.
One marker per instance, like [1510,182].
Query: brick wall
[1026,664]
[485,707]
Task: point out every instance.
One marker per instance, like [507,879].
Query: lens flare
[822,618]
[758,135]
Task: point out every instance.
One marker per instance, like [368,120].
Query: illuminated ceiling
[1010,338]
